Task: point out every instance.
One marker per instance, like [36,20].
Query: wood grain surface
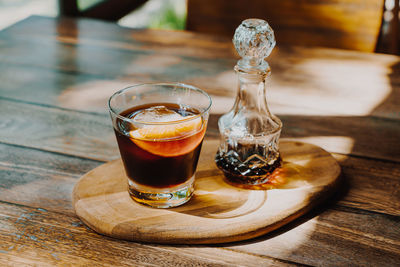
[56,72]
[218,212]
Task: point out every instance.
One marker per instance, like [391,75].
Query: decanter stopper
[254,40]
[249,150]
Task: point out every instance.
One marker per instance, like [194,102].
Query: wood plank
[370,185]
[104,34]
[36,236]
[353,135]
[91,136]
[63,131]
[87,91]
[111,60]
[307,241]
[40,179]
[58,88]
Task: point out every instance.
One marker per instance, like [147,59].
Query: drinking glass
[159,128]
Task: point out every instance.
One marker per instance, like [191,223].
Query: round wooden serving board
[218,212]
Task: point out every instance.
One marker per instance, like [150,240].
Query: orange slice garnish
[170,140]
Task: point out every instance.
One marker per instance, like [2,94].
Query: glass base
[161,197]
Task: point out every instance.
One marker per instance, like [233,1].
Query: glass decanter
[249,148]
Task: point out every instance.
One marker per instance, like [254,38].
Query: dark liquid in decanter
[253,171]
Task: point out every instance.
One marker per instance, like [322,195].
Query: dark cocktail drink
[159,130]
[162,155]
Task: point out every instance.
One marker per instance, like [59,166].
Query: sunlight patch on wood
[91,96]
[337,144]
[356,87]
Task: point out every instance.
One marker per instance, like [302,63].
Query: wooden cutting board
[218,212]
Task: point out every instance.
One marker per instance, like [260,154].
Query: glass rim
[183,85]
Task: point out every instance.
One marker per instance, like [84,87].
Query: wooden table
[55,77]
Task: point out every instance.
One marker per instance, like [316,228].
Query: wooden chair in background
[347,24]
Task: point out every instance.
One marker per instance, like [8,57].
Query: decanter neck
[252,89]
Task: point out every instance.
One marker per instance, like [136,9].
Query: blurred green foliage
[169,19]
[84,4]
